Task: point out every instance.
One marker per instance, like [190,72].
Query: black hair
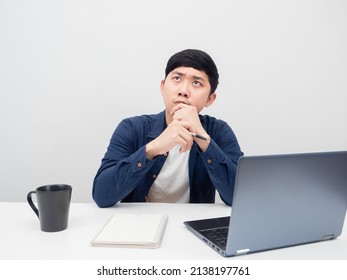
[198,60]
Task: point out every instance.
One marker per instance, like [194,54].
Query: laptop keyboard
[217,235]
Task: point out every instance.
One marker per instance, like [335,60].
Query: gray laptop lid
[284,200]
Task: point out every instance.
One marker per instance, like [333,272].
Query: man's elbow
[101,199]
[102,202]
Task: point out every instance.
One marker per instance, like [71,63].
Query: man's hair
[198,60]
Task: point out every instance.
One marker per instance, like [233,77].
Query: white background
[70,70]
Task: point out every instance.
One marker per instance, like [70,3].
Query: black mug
[53,203]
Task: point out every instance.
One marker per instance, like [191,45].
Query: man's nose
[184,90]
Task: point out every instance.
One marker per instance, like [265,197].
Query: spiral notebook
[132,230]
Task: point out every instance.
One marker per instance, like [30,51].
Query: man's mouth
[180,102]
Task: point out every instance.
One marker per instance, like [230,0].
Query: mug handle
[31,203]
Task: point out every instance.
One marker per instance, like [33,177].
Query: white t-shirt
[172,182]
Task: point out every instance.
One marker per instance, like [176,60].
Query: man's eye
[176,78]
[197,83]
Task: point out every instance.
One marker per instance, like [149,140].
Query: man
[177,155]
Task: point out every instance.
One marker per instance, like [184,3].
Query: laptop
[280,201]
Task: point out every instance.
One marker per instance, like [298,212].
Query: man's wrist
[149,151]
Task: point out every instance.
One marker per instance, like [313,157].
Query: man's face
[189,86]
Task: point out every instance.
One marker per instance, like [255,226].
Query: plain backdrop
[71,70]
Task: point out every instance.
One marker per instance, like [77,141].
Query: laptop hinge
[242,252]
[328,236]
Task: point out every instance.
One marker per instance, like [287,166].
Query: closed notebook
[132,230]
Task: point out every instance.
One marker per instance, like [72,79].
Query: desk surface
[21,237]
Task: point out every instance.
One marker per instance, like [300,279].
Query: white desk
[21,237]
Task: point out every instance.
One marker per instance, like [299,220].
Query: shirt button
[139,164]
[209,161]
[154,176]
[165,155]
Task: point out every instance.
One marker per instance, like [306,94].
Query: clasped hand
[185,121]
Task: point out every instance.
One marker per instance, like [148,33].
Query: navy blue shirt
[126,174]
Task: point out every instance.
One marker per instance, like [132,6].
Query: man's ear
[211,99]
[162,82]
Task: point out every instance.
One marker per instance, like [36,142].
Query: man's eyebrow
[177,73]
[199,78]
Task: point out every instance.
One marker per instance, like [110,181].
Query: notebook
[132,230]
[280,201]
